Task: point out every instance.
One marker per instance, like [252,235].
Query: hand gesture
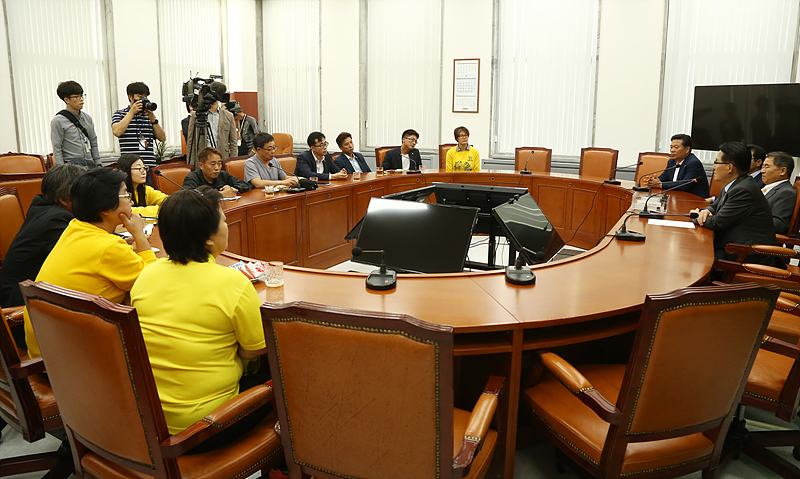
[340,175]
[228,191]
[134,224]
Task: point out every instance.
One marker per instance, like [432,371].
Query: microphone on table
[639,186]
[159,173]
[648,214]
[525,170]
[625,235]
[611,180]
[381,279]
[416,170]
[518,275]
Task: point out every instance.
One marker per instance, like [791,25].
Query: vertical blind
[545,75]
[292,67]
[722,42]
[403,71]
[184,50]
[68,43]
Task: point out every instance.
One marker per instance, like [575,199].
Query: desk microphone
[381,279]
[658,216]
[525,170]
[611,180]
[415,171]
[639,186]
[159,173]
[625,235]
[518,275]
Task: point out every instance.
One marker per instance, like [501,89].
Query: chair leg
[30,463]
[772,461]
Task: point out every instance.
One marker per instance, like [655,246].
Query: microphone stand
[611,180]
[625,235]
[525,170]
[658,216]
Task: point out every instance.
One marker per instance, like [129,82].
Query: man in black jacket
[209,172]
[316,162]
[406,157]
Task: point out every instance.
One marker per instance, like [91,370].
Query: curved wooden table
[594,295]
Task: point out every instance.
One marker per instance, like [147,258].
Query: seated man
[406,157]
[778,190]
[740,214]
[209,172]
[316,162]
[349,159]
[263,169]
[682,166]
[757,157]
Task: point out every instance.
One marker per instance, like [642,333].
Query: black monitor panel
[525,225]
[479,196]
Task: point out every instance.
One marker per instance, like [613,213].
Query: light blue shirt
[354,162]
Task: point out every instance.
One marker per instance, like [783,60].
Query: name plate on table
[655,204]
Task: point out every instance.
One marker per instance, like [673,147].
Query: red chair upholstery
[536,158]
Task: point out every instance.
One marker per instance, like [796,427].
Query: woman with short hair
[463,157]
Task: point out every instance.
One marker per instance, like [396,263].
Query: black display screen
[525,225]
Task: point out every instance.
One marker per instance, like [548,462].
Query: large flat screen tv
[525,225]
[417,237]
[767,115]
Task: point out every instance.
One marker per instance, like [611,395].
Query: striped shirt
[139,130]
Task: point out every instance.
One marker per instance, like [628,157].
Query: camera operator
[220,131]
[136,125]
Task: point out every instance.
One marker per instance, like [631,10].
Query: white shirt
[677,170]
[354,162]
[213,126]
[769,187]
[320,165]
[406,161]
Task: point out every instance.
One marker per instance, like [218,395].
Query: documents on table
[231,199]
[674,224]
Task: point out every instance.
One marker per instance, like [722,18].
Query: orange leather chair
[714,186]
[599,162]
[537,159]
[21,163]
[288,162]
[13,217]
[380,153]
[443,149]
[49,162]
[27,404]
[119,431]
[175,172]
[235,166]
[28,185]
[284,143]
[175,159]
[662,415]
[794,223]
[388,377]
[650,162]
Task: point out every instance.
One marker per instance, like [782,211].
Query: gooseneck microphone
[611,180]
[381,279]
[159,173]
[625,235]
[648,214]
[639,186]
[525,170]
[518,275]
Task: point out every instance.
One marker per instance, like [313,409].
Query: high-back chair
[794,223]
[288,162]
[13,217]
[666,413]
[99,370]
[28,185]
[284,143]
[599,162]
[533,158]
[443,149]
[388,377]
[174,171]
[380,154]
[651,162]
[21,163]
[714,186]
[235,166]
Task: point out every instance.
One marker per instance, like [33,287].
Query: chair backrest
[714,186]
[288,162]
[21,163]
[13,217]
[537,159]
[367,363]
[443,149]
[380,153]
[794,224]
[235,166]
[184,147]
[28,185]
[598,162]
[688,366]
[284,143]
[91,344]
[175,159]
[175,172]
[650,162]
[49,162]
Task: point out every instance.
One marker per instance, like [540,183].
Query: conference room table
[594,295]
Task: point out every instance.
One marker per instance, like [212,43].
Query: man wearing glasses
[316,162]
[406,157]
[263,169]
[72,131]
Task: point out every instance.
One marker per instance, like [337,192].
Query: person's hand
[703,215]
[340,175]
[150,115]
[290,181]
[710,200]
[228,191]
[134,224]
[655,183]
[648,180]
[136,107]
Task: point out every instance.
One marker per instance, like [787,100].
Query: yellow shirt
[88,259]
[466,160]
[153,198]
[193,318]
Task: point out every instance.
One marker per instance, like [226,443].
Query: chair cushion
[768,375]
[43,394]
[784,326]
[238,459]
[483,459]
[582,430]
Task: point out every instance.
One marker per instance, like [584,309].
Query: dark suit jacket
[196,179]
[691,167]
[393,160]
[742,215]
[341,161]
[307,166]
[781,200]
[759,181]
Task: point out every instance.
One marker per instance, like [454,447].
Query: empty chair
[175,172]
[651,163]
[21,163]
[533,158]
[284,143]
[599,162]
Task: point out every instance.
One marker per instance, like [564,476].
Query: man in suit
[350,160]
[406,157]
[316,162]
[780,194]
[757,157]
[220,134]
[741,213]
[682,166]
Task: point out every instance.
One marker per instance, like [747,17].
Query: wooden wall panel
[237,233]
[328,219]
[275,231]
[361,196]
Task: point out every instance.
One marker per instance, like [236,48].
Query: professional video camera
[201,93]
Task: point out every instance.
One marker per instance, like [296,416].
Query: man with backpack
[72,131]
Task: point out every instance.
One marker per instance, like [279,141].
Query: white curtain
[403,71]
[185,51]
[51,42]
[291,67]
[545,75]
[722,42]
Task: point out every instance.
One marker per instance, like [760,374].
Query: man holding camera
[136,125]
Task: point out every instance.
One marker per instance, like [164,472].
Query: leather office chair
[794,223]
[235,166]
[49,162]
[364,394]
[661,415]
[714,186]
[27,404]
[284,143]
[175,172]
[28,185]
[537,159]
[21,163]
[443,149]
[380,154]
[650,162]
[175,159]
[288,162]
[598,162]
[91,344]
[13,217]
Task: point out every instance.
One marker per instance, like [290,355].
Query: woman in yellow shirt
[463,157]
[145,198]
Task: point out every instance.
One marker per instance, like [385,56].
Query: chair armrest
[788,303]
[783,239]
[780,347]
[578,385]
[479,421]
[760,269]
[13,315]
[769,250]
[26,368]
[217,420]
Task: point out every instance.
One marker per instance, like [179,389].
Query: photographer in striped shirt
[136,125]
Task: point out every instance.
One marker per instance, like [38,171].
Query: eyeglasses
[75,97]
[141,169]
[321,145]
[270,148]
[128,196]
[721,162]
[411,139]
[463,136]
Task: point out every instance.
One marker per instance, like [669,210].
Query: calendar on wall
[466,85]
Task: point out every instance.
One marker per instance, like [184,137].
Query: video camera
[201,93]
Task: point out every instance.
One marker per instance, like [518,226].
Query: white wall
[242,74]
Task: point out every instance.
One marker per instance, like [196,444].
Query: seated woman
[200,321]
[145,198]
[88,257]
[463,157]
